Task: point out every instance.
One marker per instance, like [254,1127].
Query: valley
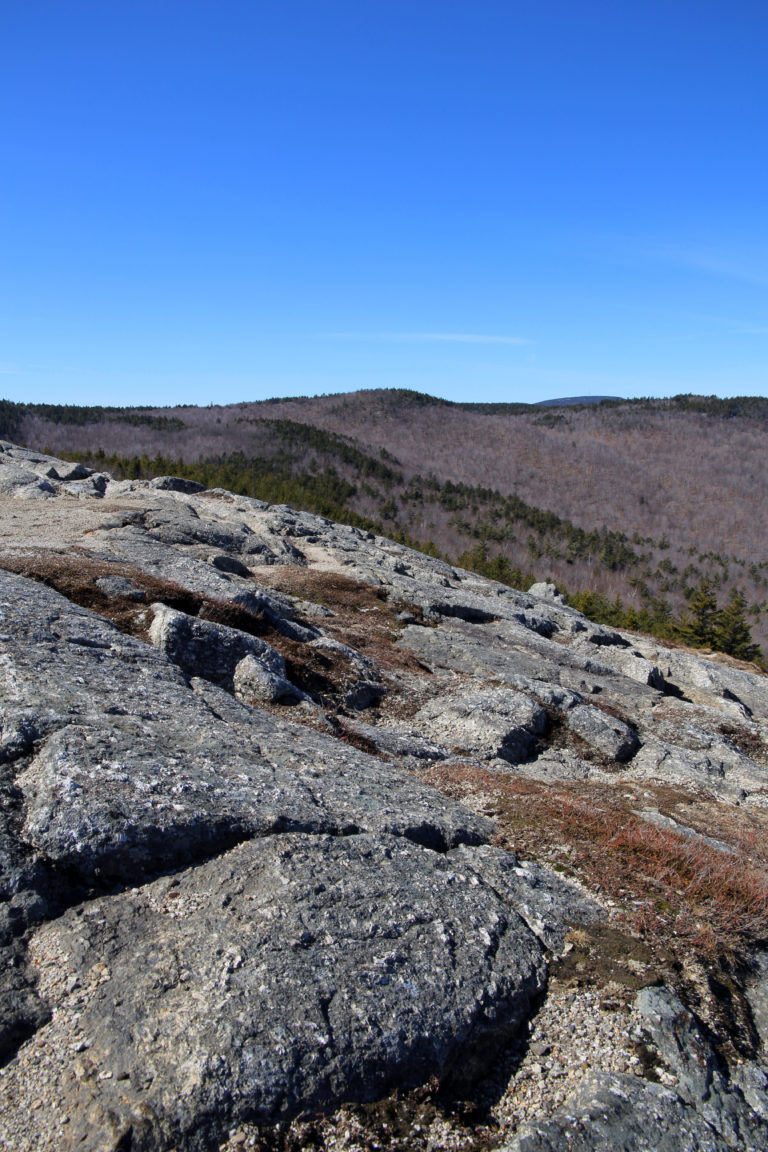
[628,506]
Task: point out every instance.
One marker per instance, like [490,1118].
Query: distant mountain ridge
[639,500]
[565,401]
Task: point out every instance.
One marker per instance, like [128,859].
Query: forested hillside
[650,514]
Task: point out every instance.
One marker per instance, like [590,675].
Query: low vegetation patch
[675,890]
[363,616]
[74,575]
[363,619]
[333,590]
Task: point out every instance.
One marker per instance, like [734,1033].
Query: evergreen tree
[732,634]
[699,627]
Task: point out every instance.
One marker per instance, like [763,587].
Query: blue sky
[221,200]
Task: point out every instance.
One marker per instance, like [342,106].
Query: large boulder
[495,724]
[203,648]
[284,976]
[604,733]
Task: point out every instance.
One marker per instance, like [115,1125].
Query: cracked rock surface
[284,975]
[231,896]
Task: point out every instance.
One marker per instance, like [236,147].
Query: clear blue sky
[222,200]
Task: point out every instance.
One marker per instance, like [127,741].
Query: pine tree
[699,627]
[732,633]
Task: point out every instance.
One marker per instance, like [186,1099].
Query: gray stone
[615,1113]
[497,723]
[361,792]
[176,484]
[556,765]
[509,652]
[177,523]
[224,563]
[22,1012]
[547,903]
[282,977]
[711,680]
[394,742]
[700,1080]
[659,820]
[94,486]
[751,1081]
[546,591]
[680,1041]
[37,464]
[119,587]
[124,766]
[604,733]
[125,541]
[757,996]
[365,685]
[64,471]
[123,770]
[716,767]
[23,483]
[255,682]
[203,648]
[633,664]
[108,802]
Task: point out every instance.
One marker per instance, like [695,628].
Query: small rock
[604,733]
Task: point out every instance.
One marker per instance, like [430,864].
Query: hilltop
[311,840]
[628,505]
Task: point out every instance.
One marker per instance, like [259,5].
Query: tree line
[704,622]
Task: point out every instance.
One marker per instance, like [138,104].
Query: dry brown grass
[74,573]
[675,888]
[363,617]
[364,621]
[333,589]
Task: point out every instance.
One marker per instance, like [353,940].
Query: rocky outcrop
[497,724]
[604,733]
[285,975]
[231,893]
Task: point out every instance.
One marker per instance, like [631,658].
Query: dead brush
[362,617]
[74,575]
[714,898]
[667,885]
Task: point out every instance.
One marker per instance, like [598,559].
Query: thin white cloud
[8,368]
[427,337]
[716,264]
[741,327]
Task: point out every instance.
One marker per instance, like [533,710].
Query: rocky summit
[310,840]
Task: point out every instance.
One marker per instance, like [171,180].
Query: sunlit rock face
[262,780]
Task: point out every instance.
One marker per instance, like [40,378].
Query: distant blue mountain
[564,401]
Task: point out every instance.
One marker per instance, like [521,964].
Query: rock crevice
[230,892]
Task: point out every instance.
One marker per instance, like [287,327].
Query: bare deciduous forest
[640,500]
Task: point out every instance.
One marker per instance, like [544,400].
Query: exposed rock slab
[620,1114]
[717,767]
[710,680]
[235,915]
[284,976]
[549,904]
[122,754]
[499,723]
[509,652]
